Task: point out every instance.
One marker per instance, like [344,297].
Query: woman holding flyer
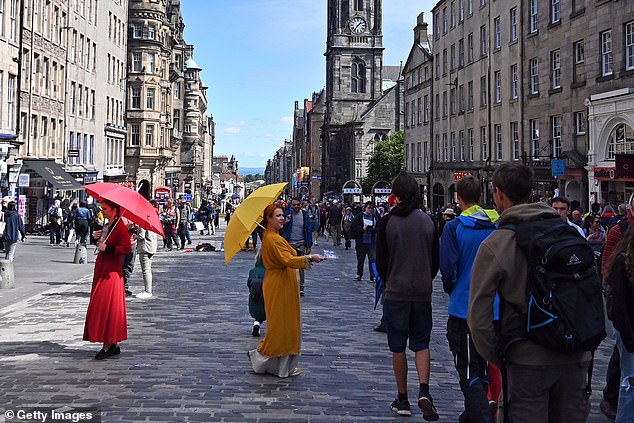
[363,229]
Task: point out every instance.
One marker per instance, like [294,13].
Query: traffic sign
[188,197]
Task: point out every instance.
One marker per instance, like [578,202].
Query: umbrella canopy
[235,196]
[247,216]
[133,206]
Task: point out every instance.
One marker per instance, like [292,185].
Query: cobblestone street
[185,359]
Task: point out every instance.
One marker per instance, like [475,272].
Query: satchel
[256,294]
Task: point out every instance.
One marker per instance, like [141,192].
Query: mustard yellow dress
[278,353]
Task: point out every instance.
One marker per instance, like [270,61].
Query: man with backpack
[545,366]
[55,219]
[459,244]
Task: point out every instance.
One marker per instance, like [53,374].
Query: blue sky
[259,56]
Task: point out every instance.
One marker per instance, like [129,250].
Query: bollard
[7,280]
[81,254]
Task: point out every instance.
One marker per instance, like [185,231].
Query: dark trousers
[613,378]
[82,229]
[550,393]
[362,251]
[472,371]
[128,266]
[56,232]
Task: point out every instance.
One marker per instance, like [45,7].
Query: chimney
[420,31]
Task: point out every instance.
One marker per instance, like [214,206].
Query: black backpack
[565,304]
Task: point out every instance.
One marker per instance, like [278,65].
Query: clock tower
[354,63]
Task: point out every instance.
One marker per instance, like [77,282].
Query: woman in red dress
[106,314]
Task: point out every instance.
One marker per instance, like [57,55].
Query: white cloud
[232,130]
[287,120]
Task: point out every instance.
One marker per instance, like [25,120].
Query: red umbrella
[133,206]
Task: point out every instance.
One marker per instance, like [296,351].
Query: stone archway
[438,196]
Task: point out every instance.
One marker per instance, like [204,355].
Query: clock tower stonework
[354,66]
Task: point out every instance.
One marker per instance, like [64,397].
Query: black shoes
[357,278]
[401,407]
[113,350]
[128,292]
[380,328]
[608,409]
[256,329]
[426,404]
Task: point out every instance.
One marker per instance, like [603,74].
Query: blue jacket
[308,228]
[459,244]
[14,227]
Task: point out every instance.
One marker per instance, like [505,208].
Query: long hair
[626,247]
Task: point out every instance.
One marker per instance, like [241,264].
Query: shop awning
[53,173]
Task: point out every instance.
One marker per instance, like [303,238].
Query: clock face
[357,25]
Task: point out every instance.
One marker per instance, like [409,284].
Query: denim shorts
[407,320]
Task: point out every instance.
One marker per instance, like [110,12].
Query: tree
[386,161]
[251,177]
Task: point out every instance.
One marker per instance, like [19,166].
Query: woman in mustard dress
[278,353]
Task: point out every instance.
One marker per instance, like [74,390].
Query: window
[461,52]
[453,14]
[12,20]
[470,144]
[498,86]
[515,140]
[497,36]
[534,128]
[462,146]
[453,147]
[149,135]
[555,124]
[150,98]
[555,66]
[578,51]
[444,104]
[580,123]
[426,109]
[483,40]
[629,46]
[438,147]
[452,101]
[357,74]
[445,150]
[1,18]
[436,111]
[151,32]
[513,28]
[484,146]
[470,48]
[437,65]
[606,53]
[150,63]
[10,100]
[514,92]
[497,133]
[533,81]
[453,57]
[177,89]
[555,11]
[444,61]
[136,97]
[419,117]
[483,91]
[358,5]
[437,25]
[461,105]
[136,61]
[135,136]
[461,12]
[444,20]
[620,141]
[470,95]
[137,30]
[470,7]
[532,18]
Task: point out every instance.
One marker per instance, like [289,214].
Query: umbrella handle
[110,229]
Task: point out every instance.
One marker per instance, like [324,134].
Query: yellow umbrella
[247,216]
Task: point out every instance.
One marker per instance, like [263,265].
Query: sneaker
[295,372]
[426,404]
[315,243]
[608,409]
[372,279]
[401,407]
[144,295]
[357,278]
[128,292]
[256,329]
[301,292]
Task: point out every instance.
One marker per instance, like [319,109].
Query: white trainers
[144,295]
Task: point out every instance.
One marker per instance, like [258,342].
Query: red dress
[106,315]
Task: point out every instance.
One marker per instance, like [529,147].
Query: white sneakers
[144,295]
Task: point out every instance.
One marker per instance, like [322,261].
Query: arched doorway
[144,189]
[438,196]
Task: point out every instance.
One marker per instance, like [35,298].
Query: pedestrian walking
[364,231]
[256,296]
[185,212]
[170,217]
[298,232]
[278,353]
[346,227]
[147,244]
[459,244]
[13,230]
[130,258]
[620,278]
[82,222]
[106,315]
[544,385]
[55,219]
[407,262]
[335,215]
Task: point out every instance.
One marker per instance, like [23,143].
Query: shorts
[407,319]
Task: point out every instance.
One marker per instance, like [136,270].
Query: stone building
[314,122]
[363,98]
[512,78]
[418,96]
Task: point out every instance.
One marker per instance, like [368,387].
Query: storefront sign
[459,175]
[624,166]
[380,191]
[90,178]
[604,173]
[558,167]
[352,191]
